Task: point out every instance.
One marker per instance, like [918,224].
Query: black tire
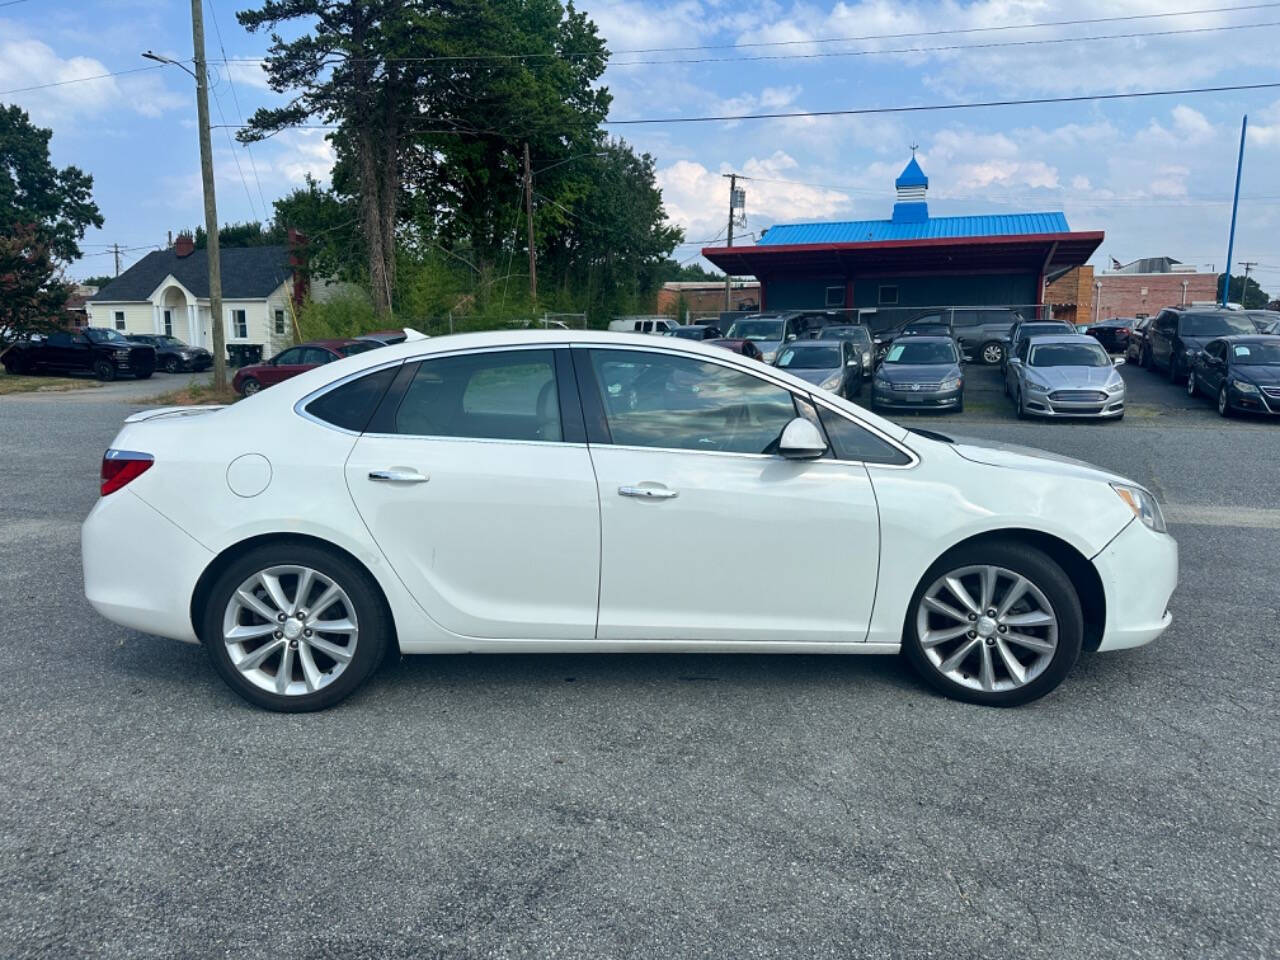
[104,370]
[1144,359]
[1175,370]
[371,614]
[1017,402]
[1224,402]
[960,406]
[249,386]
[1037,567]
[172,365]
[1192,385]
[991,353]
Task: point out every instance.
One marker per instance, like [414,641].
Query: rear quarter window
[351,405]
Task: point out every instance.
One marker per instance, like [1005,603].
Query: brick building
[678,298]
[1143,287]
[1070,292]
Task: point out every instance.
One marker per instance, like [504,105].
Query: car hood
[917,372]
[813,375]
[1074,378]
[997,454]
[1258,373]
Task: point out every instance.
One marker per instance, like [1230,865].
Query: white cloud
[302,153]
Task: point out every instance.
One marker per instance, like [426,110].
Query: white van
[659,325]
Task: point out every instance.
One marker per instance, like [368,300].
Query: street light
[201,77]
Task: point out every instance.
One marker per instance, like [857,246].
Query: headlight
[1115,387]
[831,382]
[1191,352]
[1243,386]
[1143,505]
[881,382]
[953,384]
[1033,387]
[768,356]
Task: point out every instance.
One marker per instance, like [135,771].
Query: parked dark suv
[104,353]
[982,332]
[1177,334]
[174,356]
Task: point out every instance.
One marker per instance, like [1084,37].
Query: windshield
[810,358]
[1261,354]
[166,341]
[913,353]
[755,330]
[858,334]
[931,329]
[688,333]
[105,336]
[1028,329]
[1069,355]
[1216,324]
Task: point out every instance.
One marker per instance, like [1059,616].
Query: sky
[1156,174]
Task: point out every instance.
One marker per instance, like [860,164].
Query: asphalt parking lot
[653,806]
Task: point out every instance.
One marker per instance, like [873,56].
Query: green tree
[98,282]
[58,204]
[672,270]
[331,225]
[32,298]
[250,234]
[1248,294]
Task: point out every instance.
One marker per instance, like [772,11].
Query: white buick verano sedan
[526,491]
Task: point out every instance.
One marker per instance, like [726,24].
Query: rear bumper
[1139,571]
[140,570]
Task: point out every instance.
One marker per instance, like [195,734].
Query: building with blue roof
[910,263]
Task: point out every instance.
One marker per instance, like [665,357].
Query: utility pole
[528,214]
[210,202]
[1235,206]
[728,278]
[115,248]
[1244,291]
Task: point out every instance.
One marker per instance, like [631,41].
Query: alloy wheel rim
[290,630]
[1191,384]
[992,354]
[251,388]
[987,628]
[1222,400]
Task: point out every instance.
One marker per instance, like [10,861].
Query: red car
[744,347]
[289,363]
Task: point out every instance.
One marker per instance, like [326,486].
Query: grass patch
[195,395]
[15,383]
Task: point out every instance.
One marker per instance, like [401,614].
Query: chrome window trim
[300,407]
[913,458]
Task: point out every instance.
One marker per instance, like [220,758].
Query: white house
[167,291]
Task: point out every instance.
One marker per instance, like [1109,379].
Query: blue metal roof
[912,175]
[935,228]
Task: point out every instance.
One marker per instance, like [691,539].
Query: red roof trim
[1092,236]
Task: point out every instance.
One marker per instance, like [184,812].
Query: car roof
[933,339]
[333,343]
[1066,338]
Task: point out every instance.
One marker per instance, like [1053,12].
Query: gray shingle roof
[248,273]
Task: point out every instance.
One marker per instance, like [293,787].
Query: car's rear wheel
[104,370]
[992,353]
[292,627]
[172,365]
[995,623]
[249,387]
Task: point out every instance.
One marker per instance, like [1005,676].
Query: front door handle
[648,493]
[399,475]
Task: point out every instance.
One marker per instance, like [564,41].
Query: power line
[213,15]
[63,83]
[923,108]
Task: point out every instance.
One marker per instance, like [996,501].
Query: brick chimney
[185,245]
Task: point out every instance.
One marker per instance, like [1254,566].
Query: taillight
[121,466]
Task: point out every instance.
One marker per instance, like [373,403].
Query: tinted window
[316,355]
[659,400]
[755,330]
[967,318]
[60,340]
[851,441]
[1215,324]
[290,356]
[351,405]
[507,395]
[351,349]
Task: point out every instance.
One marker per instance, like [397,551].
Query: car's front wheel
[1192,386]
[172,365]
[104,370]
[249,387]
[1224,402]
[996,623]
[292,627]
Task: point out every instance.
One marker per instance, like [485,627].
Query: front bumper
[1260,402]
[140,569]
[1043,405]
[907,400]
[1139,570]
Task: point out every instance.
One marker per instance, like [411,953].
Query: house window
[280,323]
[119,319]
[835,296]
[239,325]
[888,295]
[168,323]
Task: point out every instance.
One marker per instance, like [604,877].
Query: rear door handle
[397,475]
[648,493]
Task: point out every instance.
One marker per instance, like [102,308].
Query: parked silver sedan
[1065,376]
[834,365]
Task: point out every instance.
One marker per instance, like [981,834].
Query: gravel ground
[649,806]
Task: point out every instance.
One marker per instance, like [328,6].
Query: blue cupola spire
[912,185]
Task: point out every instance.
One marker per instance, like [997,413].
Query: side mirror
[801,440]
[1118,362]
[851,363]
[790,337]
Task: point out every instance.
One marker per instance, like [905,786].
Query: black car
[696,331]
[172,355]
[1240,373]
[1137,339]
[104,353]
[1112,333]
[1179,333]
